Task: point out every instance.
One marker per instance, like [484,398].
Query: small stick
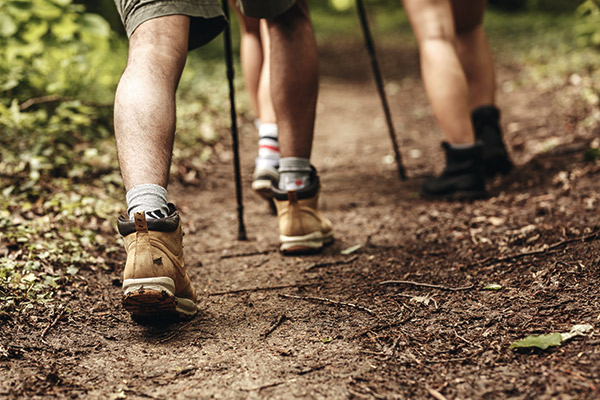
[328,301]
[262,289]
[60,314]
[492,260]
[269,385]
[442,287]
[331,264]
[436,394]
[281,319]
[382,327]
[39,100]
[251,253]
[308,371]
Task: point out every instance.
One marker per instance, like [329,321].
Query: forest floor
[326,325]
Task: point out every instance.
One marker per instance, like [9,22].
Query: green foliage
[60,189]
[58,72]
[50,47]
[587,28]
[592,154]
[545,49]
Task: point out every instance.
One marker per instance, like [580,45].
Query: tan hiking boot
[155,282]
[302,228]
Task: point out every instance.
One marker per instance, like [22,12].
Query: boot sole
[497,165]
[153,298]
[263,188]
[306,244]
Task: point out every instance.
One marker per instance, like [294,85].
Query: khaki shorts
[206,16]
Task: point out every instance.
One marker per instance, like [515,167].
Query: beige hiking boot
[155,282]
[303,229]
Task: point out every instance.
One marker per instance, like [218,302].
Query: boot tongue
[140,222]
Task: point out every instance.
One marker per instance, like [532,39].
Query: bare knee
[297,17]
[249,25]
[431,20]
[436,31]
[468,15]
[161,43]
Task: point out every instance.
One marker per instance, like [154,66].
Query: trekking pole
[379,81]
[234,130]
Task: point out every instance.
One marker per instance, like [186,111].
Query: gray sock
[148,197]
[294,173]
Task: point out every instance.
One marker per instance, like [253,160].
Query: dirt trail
[379,341]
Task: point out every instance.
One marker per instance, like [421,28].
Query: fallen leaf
[539,341]
[553,339]
[577,330]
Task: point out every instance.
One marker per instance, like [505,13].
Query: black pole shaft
[234,130]
[379,81]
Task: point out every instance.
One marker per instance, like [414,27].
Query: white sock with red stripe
[268,146]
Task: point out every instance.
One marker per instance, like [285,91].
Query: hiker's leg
[476,58]
[444,78]
[267,162]
[474,51]
[145,100]
[265,100]
[294,79]
[251,56]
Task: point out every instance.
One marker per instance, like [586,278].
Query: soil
[332,325]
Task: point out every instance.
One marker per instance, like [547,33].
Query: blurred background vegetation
[60,61]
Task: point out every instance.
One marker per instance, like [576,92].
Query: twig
[308,371]
[139,394]
[54,98]
[357,394]
[332,263]
[60,314]
[39,100]
[492,260]
[262,289]
[277,323]
[447,360]
[251,253]
[269,385]
[582,379]
[436,394]
[383,326]
[328,301]
[442,287]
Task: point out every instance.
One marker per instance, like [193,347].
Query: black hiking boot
[463,177]
[486,123]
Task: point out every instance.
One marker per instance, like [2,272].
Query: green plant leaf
[95,24]
[539,341]
[591,154]
[8,27]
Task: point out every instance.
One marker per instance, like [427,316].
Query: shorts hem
[208,14]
